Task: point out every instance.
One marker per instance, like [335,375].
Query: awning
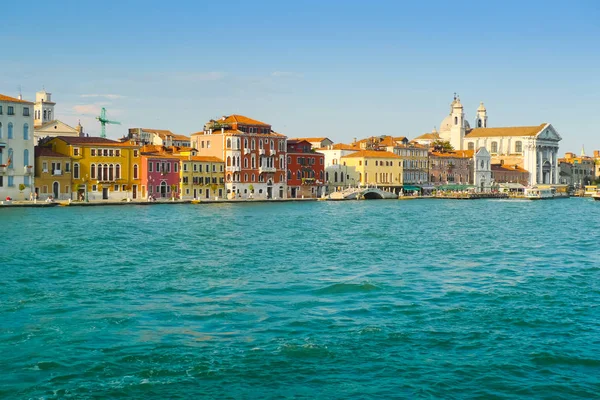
[455,187]
[410,188]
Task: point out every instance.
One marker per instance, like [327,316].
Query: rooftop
[372,154]
[13,99]
[506,131]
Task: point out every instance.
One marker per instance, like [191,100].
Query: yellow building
[375,168]
[202,177]
[52,174]
[102,169]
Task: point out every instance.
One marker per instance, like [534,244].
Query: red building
[306,169]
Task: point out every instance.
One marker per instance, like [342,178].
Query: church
[534,148]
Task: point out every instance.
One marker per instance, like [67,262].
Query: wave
[340,288]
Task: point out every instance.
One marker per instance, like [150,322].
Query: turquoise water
[371,299]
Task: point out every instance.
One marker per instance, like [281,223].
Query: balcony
[266,169]
[3,169]
[57,172]
[246,151]
[28,169]
[261,152]
[233,169]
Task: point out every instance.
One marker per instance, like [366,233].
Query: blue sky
[341,69]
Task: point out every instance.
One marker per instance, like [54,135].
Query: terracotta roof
[47,152]
[372,154]
[181,137]
[240,119]
[507,168]
[428,136]
[310,139]
[507,131]
[453,154]
[87,140]
[13,100]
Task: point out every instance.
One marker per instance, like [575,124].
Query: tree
[442,146]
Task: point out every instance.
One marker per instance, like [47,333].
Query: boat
[596,196]
[536,193]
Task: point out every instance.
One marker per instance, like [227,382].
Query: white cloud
[107,96]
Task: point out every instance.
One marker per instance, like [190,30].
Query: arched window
[479,122]
[228,143]
[335,177]
[118,171]
[494,147]
[10,157]
[93,171]
[238,143]
[25,158]
[105,172]
[298,175]
[272,145]
[228,161]
[471,146]
[327,176]
[26,132]
[10,130]
[76,171]
[135,171]
[0,130]
[228,177]
[245,143]
[245,162]
[289,174]
[111,172]
[518,147]
[253,144]
[455,120]
[238,161]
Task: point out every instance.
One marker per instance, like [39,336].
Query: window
[94,188]
[455,120]
[208,144]
[175,167]
[135,153]
[117,153]
[93,171]
[111,153]
[10,158]
[518,147]
[0,110]
[26,158]
[76,171]
[26,111]
[494,147]
[228,143]
[26,132]
[135,170]
[471,146]
[10,130]
[150,164]
[11,179]
[11,111]
[67,167]
[118,171]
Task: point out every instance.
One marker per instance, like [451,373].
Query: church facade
[534,148]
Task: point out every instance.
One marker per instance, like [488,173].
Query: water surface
[371,299]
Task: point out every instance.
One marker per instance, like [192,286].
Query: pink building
[160,174]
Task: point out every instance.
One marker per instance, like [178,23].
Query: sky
[340,69]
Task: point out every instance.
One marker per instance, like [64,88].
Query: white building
[158,137]
[16,148]
[44,123]
[534,148]
[482,169]
[336,173]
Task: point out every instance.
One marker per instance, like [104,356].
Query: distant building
[305,170]
[535,148]
[374,168]
[16,147]
[52,174]
[315,142]
[202,177]
[583,168]
[157,137]
[335,173]
[504,173]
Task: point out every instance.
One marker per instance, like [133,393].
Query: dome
[481,107]
[446,124]
[467,125]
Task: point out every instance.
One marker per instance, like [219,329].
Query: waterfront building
[45,124]
[16,147]
[504,173]
[202,177]
[583,168]
[305,169]
[535,148]
[315,142]
[597,164]
[52,174]
[336,174]
[254,155]
[415,163]
[451,167]
[102,169]
[159,173]
[374,168]
[157,137]
[427,139]
[565,173]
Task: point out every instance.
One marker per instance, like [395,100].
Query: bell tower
[481,120]
[457,130]
[43,109]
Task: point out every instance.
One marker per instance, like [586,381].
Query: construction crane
[104,121]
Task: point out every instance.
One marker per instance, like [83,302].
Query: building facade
[305,170]
[535,148]
[157,137]
[16,148]
[52,174]
[254,155]
[382,169]
[582,168]
[159,175]
[502,173]
[337,174]
[202,177]
[102,169]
